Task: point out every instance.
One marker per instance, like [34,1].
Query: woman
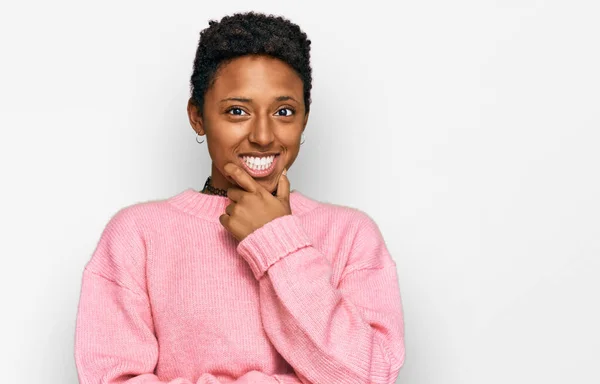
[244,281]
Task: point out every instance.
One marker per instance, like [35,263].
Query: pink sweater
[169,296]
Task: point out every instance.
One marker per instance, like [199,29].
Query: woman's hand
[253,206]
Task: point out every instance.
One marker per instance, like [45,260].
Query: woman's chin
[268,185]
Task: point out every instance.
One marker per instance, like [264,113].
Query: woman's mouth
[259,166]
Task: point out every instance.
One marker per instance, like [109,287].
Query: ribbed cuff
[271,242]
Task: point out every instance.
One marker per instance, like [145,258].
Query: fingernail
[284,172]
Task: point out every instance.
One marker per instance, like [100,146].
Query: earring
[302,142]
[199,142]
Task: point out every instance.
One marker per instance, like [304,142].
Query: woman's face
[254,108]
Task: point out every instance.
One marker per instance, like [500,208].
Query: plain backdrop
[469,130]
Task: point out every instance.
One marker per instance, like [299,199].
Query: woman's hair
[247,34]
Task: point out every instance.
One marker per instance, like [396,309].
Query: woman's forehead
[257,75]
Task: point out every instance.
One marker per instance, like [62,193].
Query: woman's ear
[195,117]
[305,121]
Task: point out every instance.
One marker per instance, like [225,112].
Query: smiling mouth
[259,166]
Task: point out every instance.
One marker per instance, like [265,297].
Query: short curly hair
[249,33]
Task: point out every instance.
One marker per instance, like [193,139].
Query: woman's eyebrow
[246,100]
[240,99]
[285,98]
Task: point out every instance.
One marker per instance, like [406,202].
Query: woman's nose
[262,132]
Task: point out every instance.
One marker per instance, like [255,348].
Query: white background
[469,130]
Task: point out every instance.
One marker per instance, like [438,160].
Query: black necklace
[218,191]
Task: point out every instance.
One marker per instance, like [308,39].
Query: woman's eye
[282,112]
[236,111]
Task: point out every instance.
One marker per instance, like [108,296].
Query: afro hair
[249,33]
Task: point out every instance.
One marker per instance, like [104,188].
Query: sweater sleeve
[115,340]
[349,333]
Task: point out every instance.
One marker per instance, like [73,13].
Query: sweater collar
[210,207]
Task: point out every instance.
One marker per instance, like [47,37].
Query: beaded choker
[218,191]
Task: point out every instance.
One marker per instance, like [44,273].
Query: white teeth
[258,163]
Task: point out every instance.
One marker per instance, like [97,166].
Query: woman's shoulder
[339,213]
[141,213]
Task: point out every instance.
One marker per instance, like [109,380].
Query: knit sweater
[170,296]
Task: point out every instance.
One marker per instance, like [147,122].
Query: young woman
[244,281]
